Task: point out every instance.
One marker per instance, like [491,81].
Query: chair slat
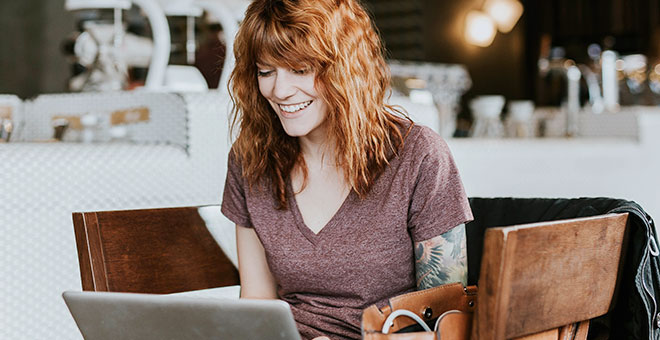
[149,251]
[541,276]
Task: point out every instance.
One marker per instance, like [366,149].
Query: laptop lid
[105,315]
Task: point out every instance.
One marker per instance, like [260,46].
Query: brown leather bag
[450,307]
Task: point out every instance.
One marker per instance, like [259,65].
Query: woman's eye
[263,73]
[301,71]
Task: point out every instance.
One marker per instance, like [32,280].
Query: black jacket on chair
[636,313]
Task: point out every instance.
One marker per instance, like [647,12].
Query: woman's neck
[320,151]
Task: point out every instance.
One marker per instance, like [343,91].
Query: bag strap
[453,325]
[389,322]
[428,304]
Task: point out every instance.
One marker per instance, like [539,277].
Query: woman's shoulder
[233,159]
[422,140]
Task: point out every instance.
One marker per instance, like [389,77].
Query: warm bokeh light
[620,64]
[415,83]
[479,29]
[505,13]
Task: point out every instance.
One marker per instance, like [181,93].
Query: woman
[340,201]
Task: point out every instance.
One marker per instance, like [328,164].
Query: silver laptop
[102,315]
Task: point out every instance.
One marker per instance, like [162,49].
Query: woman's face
[293,96]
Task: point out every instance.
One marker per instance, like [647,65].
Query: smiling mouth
[295,108]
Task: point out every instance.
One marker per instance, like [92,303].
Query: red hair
[337,40]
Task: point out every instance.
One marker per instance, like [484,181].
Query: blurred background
[122,104]
[34,33]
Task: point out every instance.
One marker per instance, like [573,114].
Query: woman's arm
[257,282]
[442,259]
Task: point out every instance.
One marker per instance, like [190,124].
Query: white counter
[43,183]
[556,167]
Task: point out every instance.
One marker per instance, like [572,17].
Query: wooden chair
[157,251]
[536,278]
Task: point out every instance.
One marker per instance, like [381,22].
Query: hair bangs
[280,42]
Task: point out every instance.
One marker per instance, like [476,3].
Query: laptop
[106,316]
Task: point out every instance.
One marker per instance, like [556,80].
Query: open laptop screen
[105,315]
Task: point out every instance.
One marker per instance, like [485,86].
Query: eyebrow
[267,65]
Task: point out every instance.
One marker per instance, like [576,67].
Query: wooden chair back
[157,251]
[542,276]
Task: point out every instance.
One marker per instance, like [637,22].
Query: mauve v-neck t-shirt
[364,254]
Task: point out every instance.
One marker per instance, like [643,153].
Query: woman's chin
[297,129]
[296,132]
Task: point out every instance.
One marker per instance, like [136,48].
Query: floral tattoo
[442,259]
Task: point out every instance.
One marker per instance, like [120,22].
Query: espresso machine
[104,52]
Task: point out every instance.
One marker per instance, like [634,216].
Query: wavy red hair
[337,40]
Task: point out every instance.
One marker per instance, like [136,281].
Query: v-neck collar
[312,237]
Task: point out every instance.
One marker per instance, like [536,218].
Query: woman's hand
[321,338]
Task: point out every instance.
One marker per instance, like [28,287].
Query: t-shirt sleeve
[438,202]
[234,204]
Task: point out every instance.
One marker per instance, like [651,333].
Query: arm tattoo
[442,259]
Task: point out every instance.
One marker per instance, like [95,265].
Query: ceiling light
[479,29]
[505,13]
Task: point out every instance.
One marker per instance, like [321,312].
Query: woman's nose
[283,87]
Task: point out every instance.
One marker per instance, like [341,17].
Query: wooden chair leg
[574,331]
[552,334]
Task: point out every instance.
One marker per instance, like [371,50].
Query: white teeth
[294,108]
